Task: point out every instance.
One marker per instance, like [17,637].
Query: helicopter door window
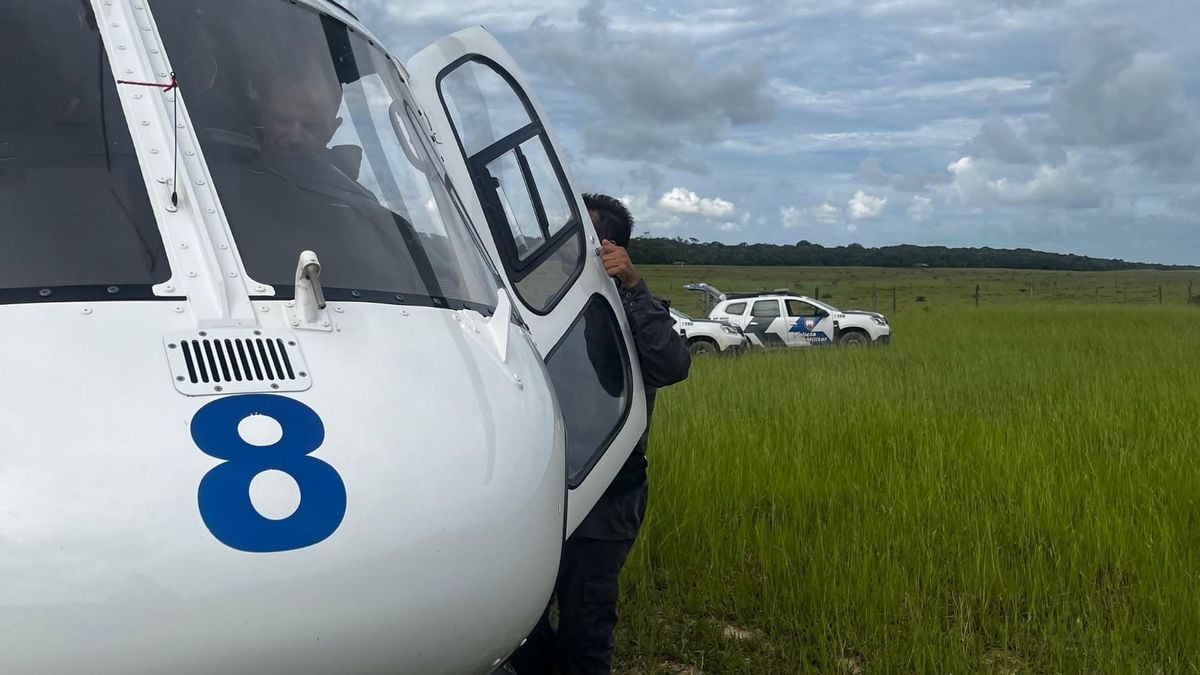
[590,371]
[75,218]
[554,201]
[483,107]
[514,196]
[530,211]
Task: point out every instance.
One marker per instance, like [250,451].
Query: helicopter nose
[407,504]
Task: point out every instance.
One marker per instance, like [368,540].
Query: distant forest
[661,251]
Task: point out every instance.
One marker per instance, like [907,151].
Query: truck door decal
[760,327]
[806,326]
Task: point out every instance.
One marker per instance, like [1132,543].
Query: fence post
[1190,296]
[893,299]
[817,293]
[875,300]
[976,295]
[1160,294]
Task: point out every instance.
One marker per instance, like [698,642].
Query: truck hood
[859,312]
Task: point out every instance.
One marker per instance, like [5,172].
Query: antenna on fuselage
[175,145]
[167,88]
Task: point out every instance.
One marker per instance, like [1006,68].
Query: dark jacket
[664,360]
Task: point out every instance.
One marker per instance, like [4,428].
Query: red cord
[165,87]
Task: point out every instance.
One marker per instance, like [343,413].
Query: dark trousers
[586,593]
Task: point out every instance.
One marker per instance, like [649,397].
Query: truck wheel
[703,348]
[854,339]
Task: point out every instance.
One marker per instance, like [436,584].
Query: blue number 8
[224,494]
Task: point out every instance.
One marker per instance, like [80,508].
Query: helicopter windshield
[75,219]
[309,134]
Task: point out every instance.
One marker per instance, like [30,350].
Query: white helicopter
[309,362]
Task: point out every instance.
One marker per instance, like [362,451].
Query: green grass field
[1013,488]
[918,289]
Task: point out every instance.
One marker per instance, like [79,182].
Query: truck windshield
[310,136]
[75,219]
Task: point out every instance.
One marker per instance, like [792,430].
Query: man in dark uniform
[587,587]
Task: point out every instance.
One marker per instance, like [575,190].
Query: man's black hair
[616,222]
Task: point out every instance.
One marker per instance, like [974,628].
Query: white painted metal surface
[441,426]
[445,557]
[425,69]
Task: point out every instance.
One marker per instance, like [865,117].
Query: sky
[1059,125]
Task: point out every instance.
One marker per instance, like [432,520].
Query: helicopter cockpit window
[307,130]
[75,218]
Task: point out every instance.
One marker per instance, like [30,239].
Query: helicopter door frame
[552,270]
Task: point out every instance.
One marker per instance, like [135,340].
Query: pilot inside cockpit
[300,194]
[299,120]
[300,116]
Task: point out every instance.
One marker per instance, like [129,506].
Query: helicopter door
[492,136]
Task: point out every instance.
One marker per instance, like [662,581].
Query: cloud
[1078,136]
[825,216]
[1061,186]
[630,143]
[997,140]
[921,209]
[653,95]
[497,15]
[1119,94]
[871,172]
[649,176]
[646,217]
[863,206]
[593,18]
[732,226]
[683,201]
[982,87]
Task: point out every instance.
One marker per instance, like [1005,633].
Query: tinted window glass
[518,204]
[306,129]
[73,204]
[766,308]
[589,369]
[559,214]
[482,106]
[800,308]
[737,309]
[542,284]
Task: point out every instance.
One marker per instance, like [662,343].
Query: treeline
[661,251]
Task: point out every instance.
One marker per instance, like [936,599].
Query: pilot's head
[612,220]
[300,114]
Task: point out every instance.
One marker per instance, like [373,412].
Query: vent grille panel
[207,363]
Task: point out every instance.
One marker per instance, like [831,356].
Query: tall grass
[919,289]
[1010,489]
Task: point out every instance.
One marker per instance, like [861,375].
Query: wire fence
[906,296]
[909,296]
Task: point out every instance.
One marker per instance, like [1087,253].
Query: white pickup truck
[708,337]
[780,319]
